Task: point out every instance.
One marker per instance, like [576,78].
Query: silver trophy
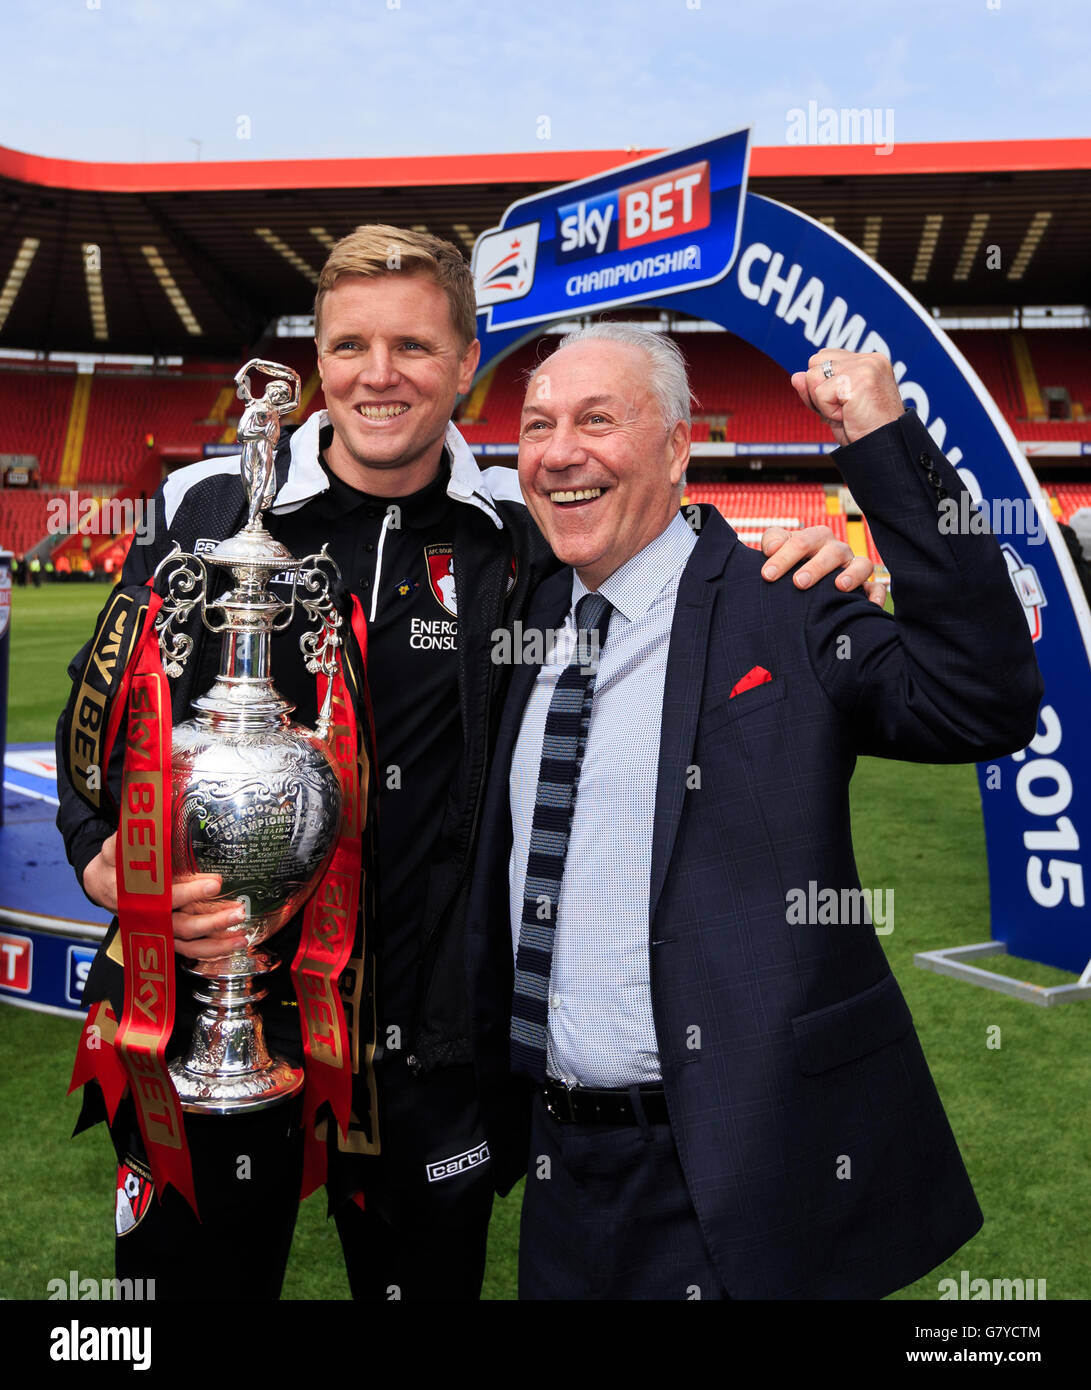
[255,797]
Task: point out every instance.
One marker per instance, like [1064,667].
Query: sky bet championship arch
[679,231]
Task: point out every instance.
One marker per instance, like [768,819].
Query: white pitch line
[26,791]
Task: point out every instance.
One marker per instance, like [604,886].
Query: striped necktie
[558,781]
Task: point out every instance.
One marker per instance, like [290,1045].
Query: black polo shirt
[409,601]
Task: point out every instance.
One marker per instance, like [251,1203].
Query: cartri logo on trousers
[459,1163]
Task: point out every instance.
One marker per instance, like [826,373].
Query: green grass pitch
[1018,1110]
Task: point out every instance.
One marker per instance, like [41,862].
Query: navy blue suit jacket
[814,1145]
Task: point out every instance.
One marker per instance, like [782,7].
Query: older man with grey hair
[724,1101]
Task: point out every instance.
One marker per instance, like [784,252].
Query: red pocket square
[757,675]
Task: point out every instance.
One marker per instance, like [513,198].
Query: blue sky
[143,79]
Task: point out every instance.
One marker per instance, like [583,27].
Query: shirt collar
[466,482]
[426,507]
[634,587]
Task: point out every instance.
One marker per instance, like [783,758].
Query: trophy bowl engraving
[259,809]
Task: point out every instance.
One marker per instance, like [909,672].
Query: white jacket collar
[307,478]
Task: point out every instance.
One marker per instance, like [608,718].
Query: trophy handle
[186,587]
[320,645]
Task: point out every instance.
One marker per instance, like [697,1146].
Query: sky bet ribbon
[94,711]
[91,721]
[144,915]
[329,930]
[123,673]
[97,1059]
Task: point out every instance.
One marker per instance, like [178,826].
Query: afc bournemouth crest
[134,1196]
[440,560]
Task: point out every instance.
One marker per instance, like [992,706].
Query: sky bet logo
[665,205]
[79,967]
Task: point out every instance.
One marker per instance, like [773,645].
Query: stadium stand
[1062,357]
[34,410]
[1058,357]
[989,353]
[1071,497]
[498,417]
[742,396]
[125,409]
[745,393]
[22,519]
[732,379]
[751,507]
[774,504]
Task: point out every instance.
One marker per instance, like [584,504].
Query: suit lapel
[682,690]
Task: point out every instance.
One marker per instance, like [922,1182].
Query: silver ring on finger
[827,368]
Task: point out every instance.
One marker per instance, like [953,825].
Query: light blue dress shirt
[600,1027]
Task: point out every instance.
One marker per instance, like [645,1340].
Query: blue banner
[663,224]
[796,286]
[45,970]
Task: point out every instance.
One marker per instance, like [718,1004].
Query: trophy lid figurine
[256,798]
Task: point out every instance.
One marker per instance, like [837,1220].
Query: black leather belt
[579,1105]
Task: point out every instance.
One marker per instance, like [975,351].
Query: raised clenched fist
[855,393]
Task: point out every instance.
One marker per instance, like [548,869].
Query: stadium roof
[198,258]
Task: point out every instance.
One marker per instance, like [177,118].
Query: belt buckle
[562,1110]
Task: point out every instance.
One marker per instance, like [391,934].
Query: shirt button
[365,583]
[369,547]
[555,1002]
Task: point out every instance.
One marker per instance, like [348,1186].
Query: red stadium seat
[34,410]
[752,507]
[23,518]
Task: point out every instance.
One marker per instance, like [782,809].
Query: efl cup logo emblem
[504,264]
[1027,585]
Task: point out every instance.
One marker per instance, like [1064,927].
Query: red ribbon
[144,914]
[131,1054]
[97,1059]
[359,631]
[329,929]
[96,1056]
